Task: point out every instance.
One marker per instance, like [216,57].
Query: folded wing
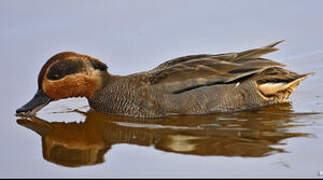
[189,72]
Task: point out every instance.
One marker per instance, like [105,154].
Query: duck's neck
[117,95]
[108,79]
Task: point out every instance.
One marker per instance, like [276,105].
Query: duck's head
[64,75]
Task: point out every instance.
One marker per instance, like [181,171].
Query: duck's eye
[56,76]
[62,68]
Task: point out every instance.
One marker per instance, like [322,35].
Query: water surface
[256,133]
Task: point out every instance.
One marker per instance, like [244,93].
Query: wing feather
[188,72]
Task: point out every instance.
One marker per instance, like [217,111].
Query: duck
[188,85]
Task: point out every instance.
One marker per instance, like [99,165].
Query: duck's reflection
[245,134]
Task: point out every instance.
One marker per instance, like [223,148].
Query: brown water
[67,139]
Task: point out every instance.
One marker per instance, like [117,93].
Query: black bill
[39,100]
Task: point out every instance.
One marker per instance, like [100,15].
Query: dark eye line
[98,65]
[63,68]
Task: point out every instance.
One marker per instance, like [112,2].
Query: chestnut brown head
[64,75]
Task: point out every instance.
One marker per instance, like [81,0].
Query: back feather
[193,71]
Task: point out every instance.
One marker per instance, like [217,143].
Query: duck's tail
[258,52]
[278,84]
